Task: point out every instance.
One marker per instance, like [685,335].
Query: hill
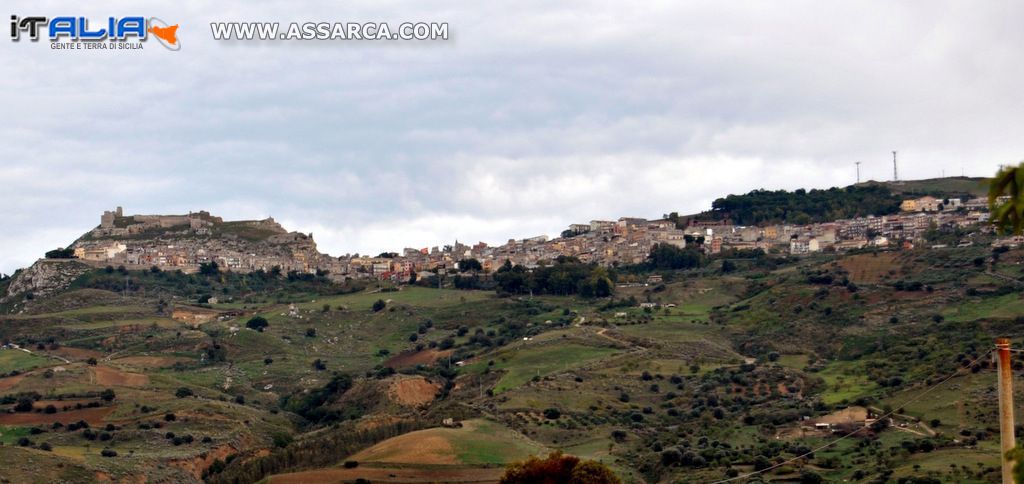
[825,205]
[718,373]
[954,186]
[684,373]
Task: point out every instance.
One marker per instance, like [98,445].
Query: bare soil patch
[150,361]
[413,392]
[196,465]
[9,382]
[380,474]
[846,415]
[76,353]
[869,268]
[425,357]
[413,448]
[107,376]
[194,316]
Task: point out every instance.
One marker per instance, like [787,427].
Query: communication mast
[895,174]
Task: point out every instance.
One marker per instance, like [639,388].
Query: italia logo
[117,30]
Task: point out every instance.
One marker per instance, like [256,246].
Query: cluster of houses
[185,242]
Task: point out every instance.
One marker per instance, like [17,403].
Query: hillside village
[185,242]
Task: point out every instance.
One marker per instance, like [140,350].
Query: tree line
[567,276]
[802,206]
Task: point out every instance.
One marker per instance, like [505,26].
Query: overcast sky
[534,115]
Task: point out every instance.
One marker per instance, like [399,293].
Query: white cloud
[532,116]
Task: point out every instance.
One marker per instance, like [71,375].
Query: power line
[851,434]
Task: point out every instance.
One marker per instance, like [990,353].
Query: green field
[844,382]
[11,360]
[1007,306]
[524,363]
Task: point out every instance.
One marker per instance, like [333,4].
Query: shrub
[183,392]
[24,405]
[379,305]
[259,323]
[552,413]
[558,468]
[108,453]
[282,439]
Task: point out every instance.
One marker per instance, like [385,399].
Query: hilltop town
[186,242]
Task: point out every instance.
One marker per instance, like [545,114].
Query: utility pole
[858,171]
[1007,442]
[895,175]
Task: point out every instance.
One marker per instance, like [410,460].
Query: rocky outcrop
[45,277]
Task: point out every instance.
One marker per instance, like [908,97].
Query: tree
[24,405]
[558,468]
[667,256]
[259,323]
[61,253]
[183,392]
[209,269]
[470,265]
[1009,215]
[282,439]
[592,472]
[810,477]
[108,395]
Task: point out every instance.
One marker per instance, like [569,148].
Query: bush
[24,405]
[108,453]
[183,392]
[350,464]
[558,468]
[259,323]
[552,413]
[379,305]
[282,439]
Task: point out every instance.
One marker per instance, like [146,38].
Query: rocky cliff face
[44,277]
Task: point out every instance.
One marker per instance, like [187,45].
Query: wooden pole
[1007,442]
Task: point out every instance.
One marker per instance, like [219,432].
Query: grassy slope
[583,368]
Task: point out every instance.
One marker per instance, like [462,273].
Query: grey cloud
[533,116]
